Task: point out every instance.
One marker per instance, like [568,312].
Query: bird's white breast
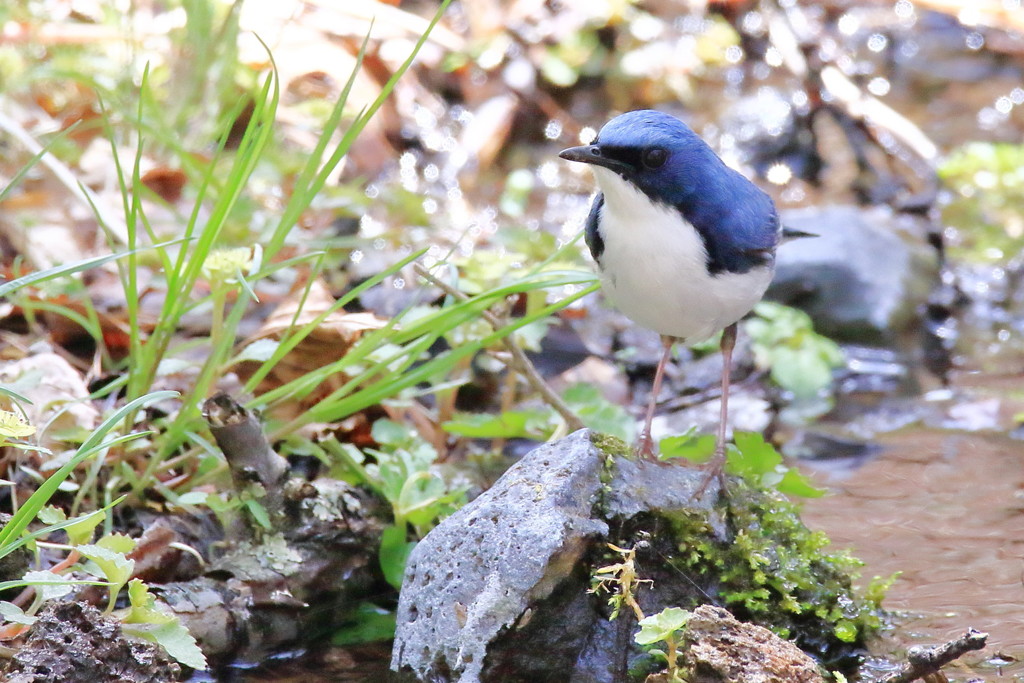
[654,268]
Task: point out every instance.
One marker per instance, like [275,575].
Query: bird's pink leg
[728,344]
[716,466]
[645,448]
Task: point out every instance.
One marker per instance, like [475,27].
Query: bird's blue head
[666,161]
[657,153]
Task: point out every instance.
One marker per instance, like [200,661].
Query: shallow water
[945,509]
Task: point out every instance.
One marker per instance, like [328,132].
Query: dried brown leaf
[328,342]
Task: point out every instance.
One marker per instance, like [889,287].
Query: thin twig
[520,362]
[925,661]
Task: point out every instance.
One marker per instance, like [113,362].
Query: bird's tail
[794,234]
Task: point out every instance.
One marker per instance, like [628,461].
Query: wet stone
[499,590]
[863,279]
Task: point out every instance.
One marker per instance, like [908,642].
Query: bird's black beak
[592,154]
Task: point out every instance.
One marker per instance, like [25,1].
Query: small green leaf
[795,483]
[758,462]
[258,512]
[193,498]
[753,456]
[51,514]
[114,566]
[81,531]
[369,624]
[389,432]
[662,625]
[49,584]
[221,504]
[697,449]
[801,370]
[800,359]
[845,631]
[174,638]
[598,413]
[119,543]
[13,614]
[394,553]
[146,620]
[508,425]
[143,606]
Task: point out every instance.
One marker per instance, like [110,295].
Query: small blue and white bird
[684,244]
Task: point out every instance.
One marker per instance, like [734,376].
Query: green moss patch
[776,572]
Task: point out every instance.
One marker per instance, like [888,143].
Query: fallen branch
[251,459]
[925,661]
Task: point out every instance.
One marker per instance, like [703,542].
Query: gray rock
[498,591]
[639,487]
[863,279]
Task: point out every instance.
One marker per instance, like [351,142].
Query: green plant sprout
[665,627]
[799,359]
[144,619]
[108,559]
[621,581]
[402,473]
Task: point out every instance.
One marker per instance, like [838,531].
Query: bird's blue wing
[740,234]
[591,234]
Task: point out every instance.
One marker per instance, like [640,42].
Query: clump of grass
[204,270]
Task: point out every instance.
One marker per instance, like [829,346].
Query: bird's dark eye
[655,157]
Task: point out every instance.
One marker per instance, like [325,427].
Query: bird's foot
[713,469]
[645,447]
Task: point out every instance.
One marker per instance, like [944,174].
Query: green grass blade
[7,288]
[93,444]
